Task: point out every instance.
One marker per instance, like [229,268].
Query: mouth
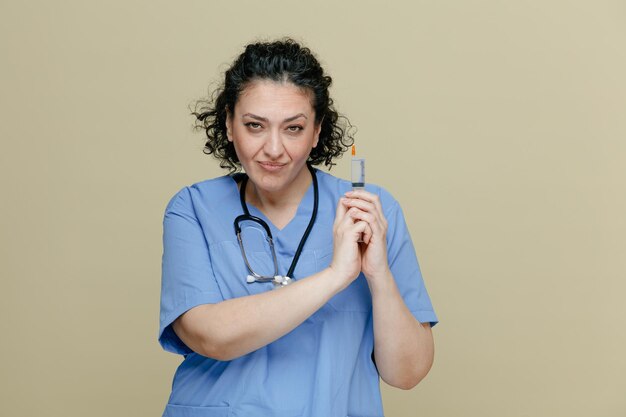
[271,166]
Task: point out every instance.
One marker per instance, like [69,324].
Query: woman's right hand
[346,261]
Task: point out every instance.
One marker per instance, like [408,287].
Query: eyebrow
[263,119]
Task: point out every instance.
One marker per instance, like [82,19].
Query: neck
[268,201]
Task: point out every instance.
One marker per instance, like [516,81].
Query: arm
[238,326]
[403,347]
[235,327]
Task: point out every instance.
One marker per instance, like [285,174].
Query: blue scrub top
[324,366]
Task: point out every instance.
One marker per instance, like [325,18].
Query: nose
[273,147]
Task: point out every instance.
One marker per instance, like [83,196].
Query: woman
[351,312]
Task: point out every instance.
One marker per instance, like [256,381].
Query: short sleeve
[404,264]
[187,278]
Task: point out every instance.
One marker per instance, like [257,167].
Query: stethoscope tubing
[270,239]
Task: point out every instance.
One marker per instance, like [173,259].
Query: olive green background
[499,126]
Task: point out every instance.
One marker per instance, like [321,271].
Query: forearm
[403,348]
[238,326]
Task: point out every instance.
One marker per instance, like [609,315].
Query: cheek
[300,150]
[243,153]
[244,145]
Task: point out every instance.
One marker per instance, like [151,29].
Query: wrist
[381,281]
[335,279]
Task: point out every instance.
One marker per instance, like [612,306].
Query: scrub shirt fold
[403,262]
[187,276]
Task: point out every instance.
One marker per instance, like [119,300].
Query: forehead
[267,97]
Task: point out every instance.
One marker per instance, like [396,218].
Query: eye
[253,125]
[295,128]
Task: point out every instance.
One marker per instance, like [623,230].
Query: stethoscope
[277,279]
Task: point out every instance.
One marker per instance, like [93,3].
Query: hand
[346,253]
[363,206]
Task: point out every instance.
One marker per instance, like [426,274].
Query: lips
[272,166]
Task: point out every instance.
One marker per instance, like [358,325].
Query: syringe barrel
[358,173]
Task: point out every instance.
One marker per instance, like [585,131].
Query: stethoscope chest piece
[282,281]
[278,281]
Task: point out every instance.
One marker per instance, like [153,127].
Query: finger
[351,229]
[344,224]
[362,194]
[370,218]
[358,230]
[369,197]
[340,212]
[360,203]
[368,207]
[367,234]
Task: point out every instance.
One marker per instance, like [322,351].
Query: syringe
[358,171]
[358,176]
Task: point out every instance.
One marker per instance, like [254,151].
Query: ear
[318,129]
[229,126]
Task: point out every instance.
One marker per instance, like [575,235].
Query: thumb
[340,212]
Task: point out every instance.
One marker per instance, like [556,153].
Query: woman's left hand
[365,206]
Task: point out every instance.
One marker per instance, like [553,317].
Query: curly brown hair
[281,60]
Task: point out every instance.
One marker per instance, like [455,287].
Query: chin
[272,184]
[273,180]
[269,181]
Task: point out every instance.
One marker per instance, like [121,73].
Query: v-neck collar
[304,210]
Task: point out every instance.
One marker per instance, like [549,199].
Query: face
[273,130]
